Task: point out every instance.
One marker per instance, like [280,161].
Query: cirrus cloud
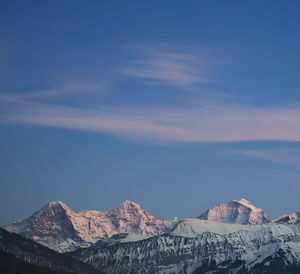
[203,122]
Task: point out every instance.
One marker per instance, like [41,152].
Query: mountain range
[236,237]
[58,227]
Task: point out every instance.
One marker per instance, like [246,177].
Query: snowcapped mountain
[289,218]
[51,226]
[231,238]
[239,212]
[60,228]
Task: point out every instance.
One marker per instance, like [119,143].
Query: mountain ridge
[58,227]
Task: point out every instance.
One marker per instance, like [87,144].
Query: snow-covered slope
[239,212]
[193,227]
[270,248]
[60,228]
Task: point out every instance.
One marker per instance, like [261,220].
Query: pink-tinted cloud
[194,123]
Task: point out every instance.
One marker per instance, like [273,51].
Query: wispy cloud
[193,123]
[282,156]
[15,102]
[66,90]
[58,91]
[156,65]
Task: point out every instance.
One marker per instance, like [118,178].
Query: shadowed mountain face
[60,228]
[238,212]
[20,250]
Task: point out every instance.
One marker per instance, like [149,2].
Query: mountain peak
[129,205]
[241,212]
[246,203]
[127,202]
[57,204]
[50,208]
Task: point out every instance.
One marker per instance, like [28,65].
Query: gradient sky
[175,105]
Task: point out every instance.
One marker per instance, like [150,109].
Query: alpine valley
[236,237]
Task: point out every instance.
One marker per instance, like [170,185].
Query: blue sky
[175,105]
